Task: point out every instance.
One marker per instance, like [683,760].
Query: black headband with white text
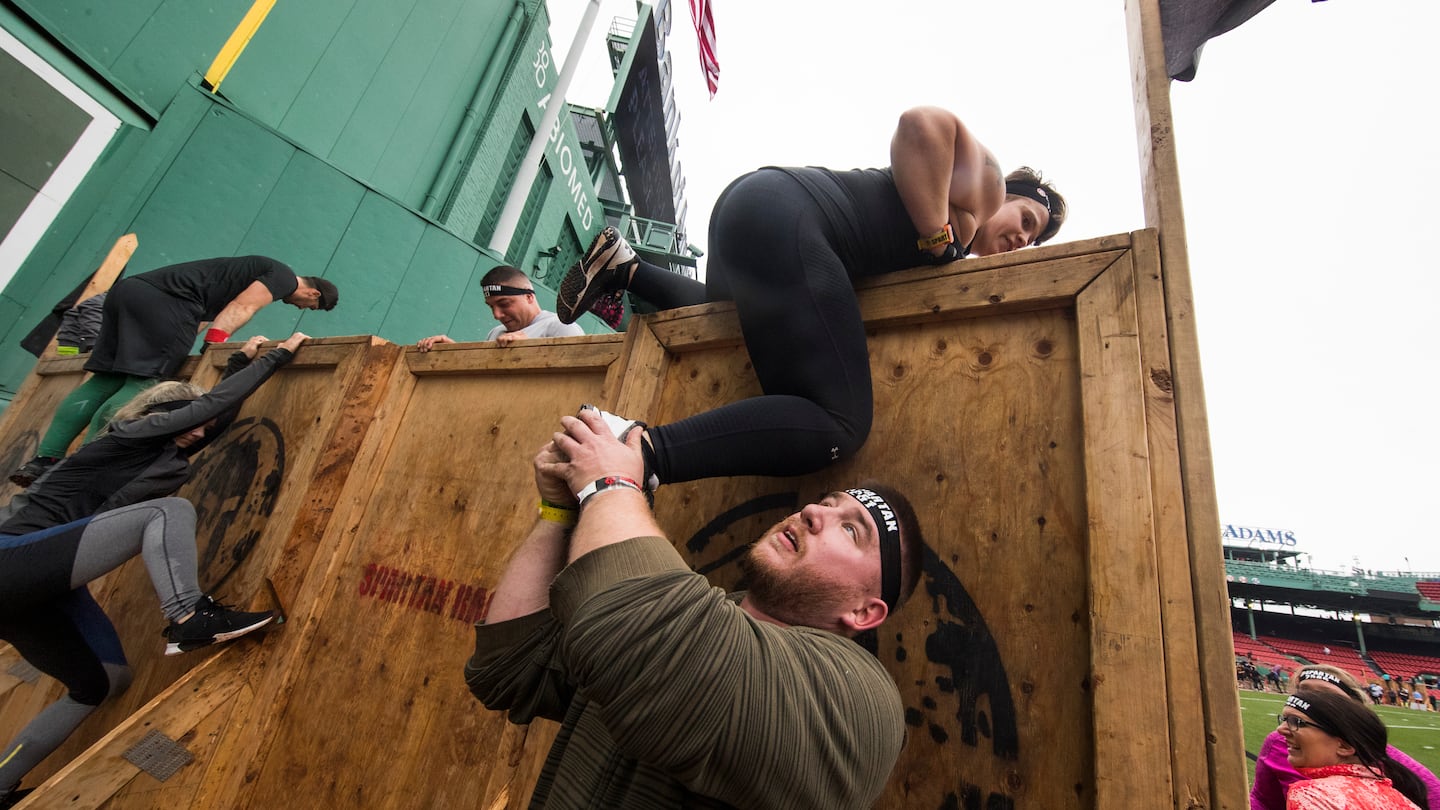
[889,528]
[505,289]
[1314,711]
[1030,191]
[1322,675]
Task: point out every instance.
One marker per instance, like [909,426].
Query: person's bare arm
[238,312]
[591,452]
[524,587]
[943,174]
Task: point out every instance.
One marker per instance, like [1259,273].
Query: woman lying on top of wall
[786,246]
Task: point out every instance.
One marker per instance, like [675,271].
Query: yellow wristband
[559,514]
[944,236]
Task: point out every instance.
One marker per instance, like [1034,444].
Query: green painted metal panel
[44,45]
[99,30]
[425,304]
[15,362]
[282,56]
[416,151]
[181,38]
[323,107]
[211,194]
[305,216]
[147,48]
[303,220]
[383,105]
[368,264]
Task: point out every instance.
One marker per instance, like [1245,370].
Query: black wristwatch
[950,254]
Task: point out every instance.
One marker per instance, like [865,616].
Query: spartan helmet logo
[235,487]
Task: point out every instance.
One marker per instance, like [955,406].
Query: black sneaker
[604,268]
[31,470]
[212,622]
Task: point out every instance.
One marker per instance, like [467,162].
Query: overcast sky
[1308,161]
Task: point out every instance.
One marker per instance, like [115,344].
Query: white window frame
[47,204]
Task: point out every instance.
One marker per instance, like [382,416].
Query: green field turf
[1415,733]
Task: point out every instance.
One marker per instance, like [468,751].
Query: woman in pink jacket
[1273,772]
[1338,746]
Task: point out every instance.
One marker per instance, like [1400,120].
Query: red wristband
[608,482]
[216,336]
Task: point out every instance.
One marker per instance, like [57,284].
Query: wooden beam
[93,777]
[1132,767]
[1177,599]
[1160,180]
[104,276]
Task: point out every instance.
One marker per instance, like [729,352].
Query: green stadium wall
[371,142]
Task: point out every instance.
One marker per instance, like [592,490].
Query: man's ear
[866,615]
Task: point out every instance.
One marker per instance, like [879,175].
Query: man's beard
[794,595]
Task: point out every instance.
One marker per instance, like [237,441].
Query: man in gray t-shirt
[511,297]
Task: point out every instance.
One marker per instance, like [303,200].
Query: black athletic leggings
[774,255]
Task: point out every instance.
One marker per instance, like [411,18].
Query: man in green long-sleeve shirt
[672,693]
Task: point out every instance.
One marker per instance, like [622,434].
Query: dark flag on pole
[705,35]
[1186,25]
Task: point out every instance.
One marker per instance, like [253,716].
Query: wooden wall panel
[979,421]
[432,533]
[263,493]
[27,417]
[1183,674]
[1021,401]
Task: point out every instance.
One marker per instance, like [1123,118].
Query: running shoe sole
[591,277]
[177,647]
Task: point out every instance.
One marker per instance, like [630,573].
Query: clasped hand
[583,451]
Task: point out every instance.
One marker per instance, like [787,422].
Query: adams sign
[1233,534]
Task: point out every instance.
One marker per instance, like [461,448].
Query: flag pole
[530,166]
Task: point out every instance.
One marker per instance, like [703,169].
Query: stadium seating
[1429,589]
[1340,656]
[1260,652]
[1405,666]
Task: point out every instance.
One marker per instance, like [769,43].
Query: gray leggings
[162,532]
[51,620]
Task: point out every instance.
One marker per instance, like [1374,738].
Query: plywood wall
[1049,659]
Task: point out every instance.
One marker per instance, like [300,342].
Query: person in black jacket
[149,324]
[90,514]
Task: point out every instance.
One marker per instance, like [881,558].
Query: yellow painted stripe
[236,44]
[10,756]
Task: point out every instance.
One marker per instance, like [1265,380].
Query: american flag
[705,33]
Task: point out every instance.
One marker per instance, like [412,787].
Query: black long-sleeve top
[136,460]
